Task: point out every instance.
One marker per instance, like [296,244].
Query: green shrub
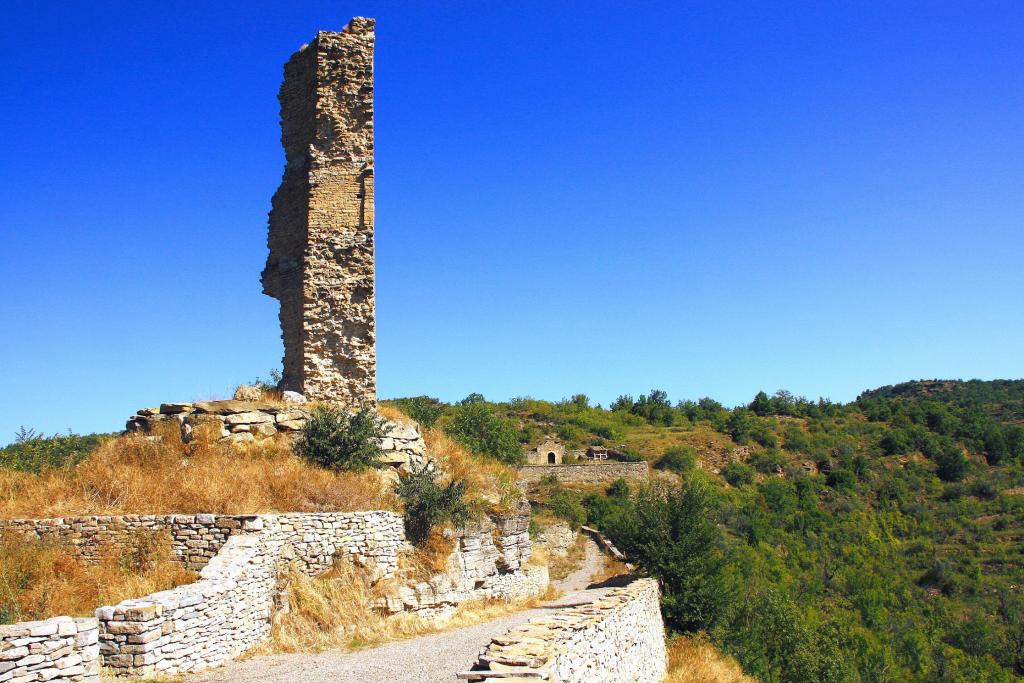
[678,459]
[629,455]
[424,409]
[475,427]
[738,474]
[32,452]
[338,440]
[769,461]
[426,503]
[566,505]
[951,463]
[618,489]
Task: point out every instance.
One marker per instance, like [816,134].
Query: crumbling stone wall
[243,422]
[618,637]
[321,262]
[61,649]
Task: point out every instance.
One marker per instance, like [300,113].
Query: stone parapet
[618,637]
[590,473]
[59,649]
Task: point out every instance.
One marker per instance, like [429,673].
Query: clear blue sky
[706,197]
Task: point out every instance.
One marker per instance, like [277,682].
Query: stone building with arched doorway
[547,452]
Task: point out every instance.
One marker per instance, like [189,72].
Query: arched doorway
[551,458]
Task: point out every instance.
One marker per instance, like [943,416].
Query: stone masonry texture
[321,262]
[595,473]
[61,649]
[617,638]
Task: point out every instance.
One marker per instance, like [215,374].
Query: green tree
[669,534]
[477,428]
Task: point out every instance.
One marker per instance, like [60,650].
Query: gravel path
[434,658]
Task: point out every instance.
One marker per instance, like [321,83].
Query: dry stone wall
[229,609]
[596,473]
[194,538]
[321,262]
[243,422]
[619,637]
[60,649]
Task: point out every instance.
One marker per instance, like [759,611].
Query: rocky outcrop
[242,422]
[489,562]
[616,638]
[61,649]
[558,538]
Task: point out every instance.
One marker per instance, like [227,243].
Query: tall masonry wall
[617,638]
[321,262]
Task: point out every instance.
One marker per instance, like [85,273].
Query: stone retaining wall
[228,610]
[194,538]
[619,637]
[60,649]
[595,473]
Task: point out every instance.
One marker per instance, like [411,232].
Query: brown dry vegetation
[43,579]
[692,660]
[336,610]
[560,566]
[135,475]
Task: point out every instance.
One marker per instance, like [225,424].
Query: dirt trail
[434,658]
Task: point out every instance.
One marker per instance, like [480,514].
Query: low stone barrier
[59,649]
[194,538]
[591,473]
[617,638]
[228,610]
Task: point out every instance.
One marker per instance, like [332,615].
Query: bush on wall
[338,440]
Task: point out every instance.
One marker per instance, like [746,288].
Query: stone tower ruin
[321,265]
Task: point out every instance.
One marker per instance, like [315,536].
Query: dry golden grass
[43,579]
[560,566]
[694,660]
[609,570]
[336,611]
[135,475]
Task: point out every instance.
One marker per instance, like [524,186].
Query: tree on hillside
[669,533]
